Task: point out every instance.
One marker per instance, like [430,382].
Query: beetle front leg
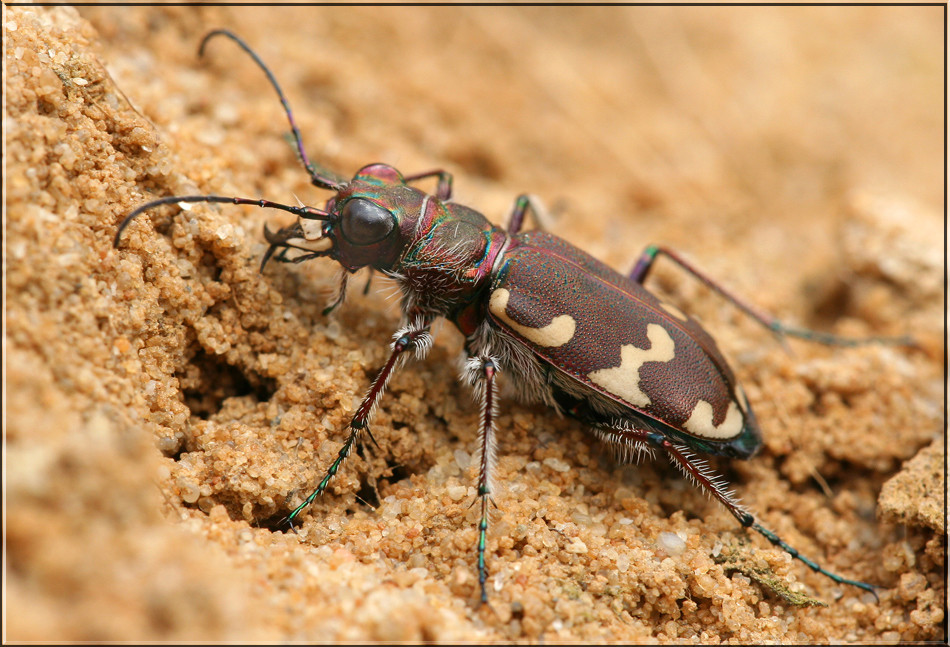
[482,371]
[416,336]
[645,263]
[443,190]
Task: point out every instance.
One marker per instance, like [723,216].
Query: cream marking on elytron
[624,380]
[673,310]
[557,333]
[701,421]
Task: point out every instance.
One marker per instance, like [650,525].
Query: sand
[166,404]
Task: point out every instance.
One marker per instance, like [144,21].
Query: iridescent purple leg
[487,437]
[414,336]
[480,373]
[443,190]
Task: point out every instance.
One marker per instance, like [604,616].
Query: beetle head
[369,222]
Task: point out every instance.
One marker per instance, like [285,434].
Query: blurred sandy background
[166,405]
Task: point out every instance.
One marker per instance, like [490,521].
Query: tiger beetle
[642,374]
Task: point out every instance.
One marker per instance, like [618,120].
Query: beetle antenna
[308,213]
[318,176]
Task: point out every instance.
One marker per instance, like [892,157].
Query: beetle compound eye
[365,222]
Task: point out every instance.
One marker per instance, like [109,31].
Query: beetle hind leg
[698,471]
[625,446]
[701,475]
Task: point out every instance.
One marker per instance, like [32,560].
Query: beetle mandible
[652,380]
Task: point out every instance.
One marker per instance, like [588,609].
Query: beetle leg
[341,293]
[443,190]
[645,263]
[522,204]
[482,370]
[369,281]
[416,336]
[698,471]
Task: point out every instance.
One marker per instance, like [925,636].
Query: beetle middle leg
[415,336]
[651,253]
[482,371]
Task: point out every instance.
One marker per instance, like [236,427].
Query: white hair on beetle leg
[624,448]
[470,371]
[390,289]
[486,393]
[717,482]
[421,343]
